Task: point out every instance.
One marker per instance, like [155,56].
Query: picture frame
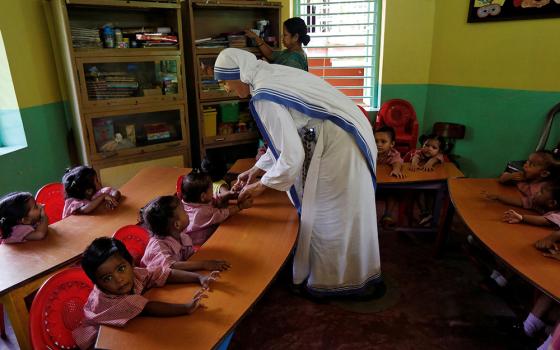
[507,10]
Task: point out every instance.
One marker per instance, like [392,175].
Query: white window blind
[344,47]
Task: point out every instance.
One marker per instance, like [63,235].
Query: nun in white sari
[322,153]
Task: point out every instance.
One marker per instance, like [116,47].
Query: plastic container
[229,112]
[210,121]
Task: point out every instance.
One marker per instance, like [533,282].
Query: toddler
[429,155]
[117,297]
[21,218]
[204,215]
[84,193]
[220,188]
[170,246]
[545,202]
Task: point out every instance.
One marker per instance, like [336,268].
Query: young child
[431,154]
[21,218]
[170,246]
[387,154]
[84,193]
[220,188]
[545,202]
[204,216]
[117,295]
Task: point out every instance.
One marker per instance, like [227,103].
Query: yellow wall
[28,45]
[512,54]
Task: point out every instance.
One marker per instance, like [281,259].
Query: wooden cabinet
[220,120]
[125,78]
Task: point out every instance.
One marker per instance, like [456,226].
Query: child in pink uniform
[21,219]
[84,193]
[170,246]
[204,215]
[545,202]
[429,155]
[117,295]
[388,155]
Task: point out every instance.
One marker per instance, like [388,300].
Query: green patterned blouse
[290,59]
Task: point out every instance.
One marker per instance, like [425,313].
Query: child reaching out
[386,153]
[21,218]
[84,193]
[170,246]
[546,202]
[429,155]
[220,188]
[204,216]
[117,297]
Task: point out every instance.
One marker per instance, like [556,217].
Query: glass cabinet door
[208,87]
[121,81]
[143,129]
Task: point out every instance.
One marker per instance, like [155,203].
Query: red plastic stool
[52,197]
[58,309]
[179,186]
[135,238]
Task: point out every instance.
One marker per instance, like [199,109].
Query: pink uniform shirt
[73,204]
[204,220]
[528,191]
[116,310]
[391,157]
[165,251]
[19,232]
[553,217]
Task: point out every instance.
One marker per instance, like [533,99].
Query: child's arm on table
[513,217]
[209,265]
[91,206]
[414,162]
[515,201]
[159,308]
[41,230]
[549,242]
[511,177]
[180,276]
[429,166]
[396,170]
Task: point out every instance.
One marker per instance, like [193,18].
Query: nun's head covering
[235,64]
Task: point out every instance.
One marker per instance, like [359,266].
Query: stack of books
[157,40]
[107,85]
[237,41]
[219,42]
[86,38]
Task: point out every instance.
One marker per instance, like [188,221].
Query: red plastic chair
[364,112]
[135,238]
[400,115]
[179,186]
[52,197]
[58,308]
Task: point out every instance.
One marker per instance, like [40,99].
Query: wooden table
[256,242]
[513,243]
[26,266]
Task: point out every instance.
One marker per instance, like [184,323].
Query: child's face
[207,196]
[115,276]
[534,167]
[544,199]
[33,212]
[431,148]
[180,219]
[383,142]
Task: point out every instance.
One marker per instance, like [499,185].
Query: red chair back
[179,186]
[135,238]
[52,197]
[400,115]
[58,308]
[364,112]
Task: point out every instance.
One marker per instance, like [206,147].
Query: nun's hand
[251,191]
[246,178]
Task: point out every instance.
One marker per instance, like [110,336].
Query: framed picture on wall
[505,10]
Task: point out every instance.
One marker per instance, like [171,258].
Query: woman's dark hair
[387,129]
[216,170]
[13,208]
[78,180]
[159,213]
[99,251]
[443,146]
[296,25]
[194,185]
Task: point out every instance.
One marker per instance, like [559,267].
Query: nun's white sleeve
[282,131]
[266,161]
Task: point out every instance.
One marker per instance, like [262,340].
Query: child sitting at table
[170,246]
[430,155]
[21,218]
[84,193]
[220,188]
[117,297]
[546,202]
[388,155]
[204,215]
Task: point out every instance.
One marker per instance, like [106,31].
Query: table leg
[448,210]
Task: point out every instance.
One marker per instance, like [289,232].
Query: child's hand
[548,243]
[518,176]
[196,301]
[245,203]
[206,280]
[220,265]
[552,253]
[111,202]
[427,167]
[397,173]
[116,194]
[489,196]
[512,217]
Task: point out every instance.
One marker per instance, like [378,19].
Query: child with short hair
[21,218]
[170,245]
[117,297]
[429,155]
[220,188]
[546,202]
[386,152]
[84,193]
[204,215]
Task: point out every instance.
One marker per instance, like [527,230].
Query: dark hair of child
[13,208]
[78,180]
[386,129]
[159,213]
[99,251]
[296,25]
[216,170]
[194,185]
[551,163]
